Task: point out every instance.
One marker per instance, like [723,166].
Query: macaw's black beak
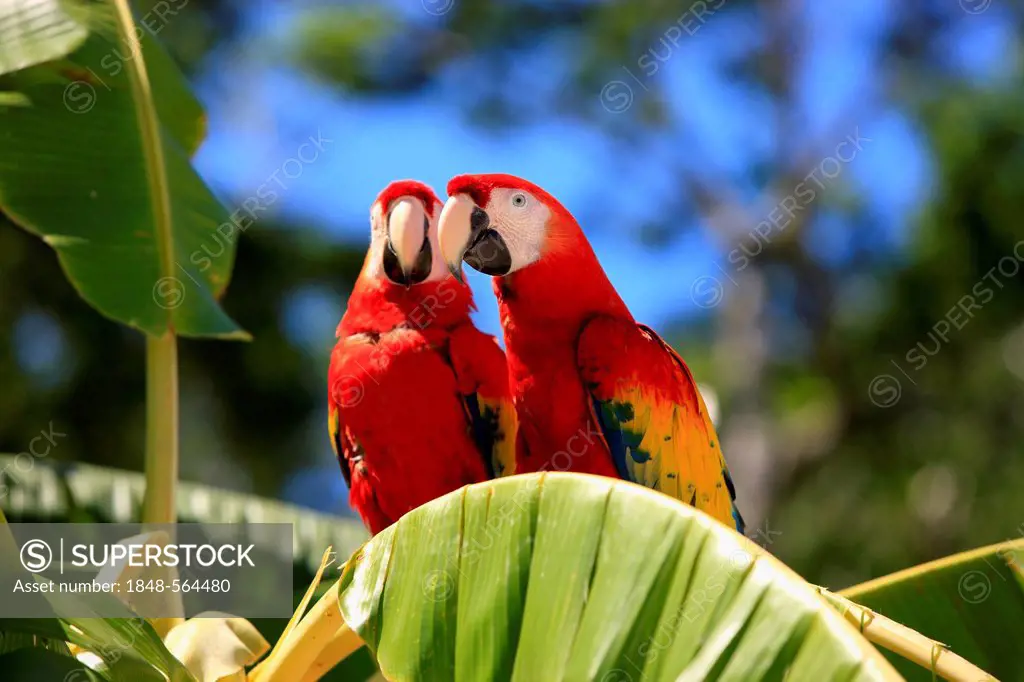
[408,257]
[487,251]
[466,234]
[419,271]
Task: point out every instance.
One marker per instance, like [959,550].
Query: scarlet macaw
[418,397]
[594,391]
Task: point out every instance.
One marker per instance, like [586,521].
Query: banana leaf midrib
[875,584]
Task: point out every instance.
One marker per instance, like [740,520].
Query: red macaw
[594,391]
[418,397]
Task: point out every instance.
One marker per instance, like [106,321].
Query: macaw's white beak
[454,231]
[407,230]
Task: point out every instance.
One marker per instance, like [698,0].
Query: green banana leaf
[12,640]
[153,250]
[568,576]
[129,648]
[23,44]
[33,665]
[972,602]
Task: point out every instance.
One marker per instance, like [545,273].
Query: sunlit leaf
[216,645]
[37,31]
[561,576]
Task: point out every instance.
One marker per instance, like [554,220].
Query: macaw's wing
[347,378]
[482,376]
[653,417]
[353,361]
[338,443]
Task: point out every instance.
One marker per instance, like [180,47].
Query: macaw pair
[422,403]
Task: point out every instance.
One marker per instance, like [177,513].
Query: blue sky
[259,114]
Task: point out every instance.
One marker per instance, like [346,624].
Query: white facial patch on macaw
[379,241]
[438,268]
[521,219]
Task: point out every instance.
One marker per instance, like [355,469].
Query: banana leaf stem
[161,429]
[910,644]
[162,351]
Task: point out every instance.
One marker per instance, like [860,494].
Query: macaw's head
[403,234]
[499,224]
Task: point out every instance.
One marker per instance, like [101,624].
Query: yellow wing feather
[656,424]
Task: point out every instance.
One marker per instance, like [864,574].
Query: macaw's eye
[519,200]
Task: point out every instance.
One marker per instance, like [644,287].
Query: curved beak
[407,232]
[465,234]
[454,231]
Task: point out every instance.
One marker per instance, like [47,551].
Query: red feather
[396,384]
[543,309]
[479,188]
[407,188]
